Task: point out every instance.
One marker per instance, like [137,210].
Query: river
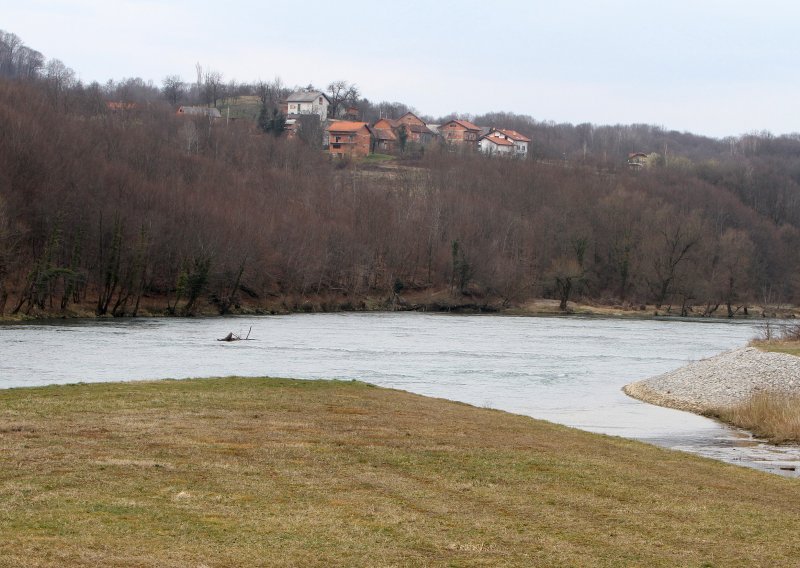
[566,370]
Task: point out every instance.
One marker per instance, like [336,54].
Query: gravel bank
[723,380]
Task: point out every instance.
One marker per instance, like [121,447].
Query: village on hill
[344,135]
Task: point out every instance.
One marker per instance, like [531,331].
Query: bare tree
[341,93]
[173,89]
[270,93]
[213,87]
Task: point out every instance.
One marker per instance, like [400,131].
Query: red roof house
[349,138]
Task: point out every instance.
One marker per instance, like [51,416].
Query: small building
[210,112]
[496,146]
[416,129]
[384,140]
[460,133]
[307,102]
[637,160]
[349,138]
[520,141]
[409,128]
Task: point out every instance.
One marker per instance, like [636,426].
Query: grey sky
[710,66]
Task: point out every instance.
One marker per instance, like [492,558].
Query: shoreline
[429,302]
[723,380]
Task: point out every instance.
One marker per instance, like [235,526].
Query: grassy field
[270,472]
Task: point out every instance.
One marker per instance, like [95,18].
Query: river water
[566,370]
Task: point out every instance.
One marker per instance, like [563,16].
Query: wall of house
[490,147]
[355,144]
[452,133]
[314,107]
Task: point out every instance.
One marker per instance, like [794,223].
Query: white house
[496,145]
[307,102]
[519,141]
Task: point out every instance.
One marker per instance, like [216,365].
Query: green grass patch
[249,472]
[378,158]
[244,107]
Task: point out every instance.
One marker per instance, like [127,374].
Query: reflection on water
[567,370]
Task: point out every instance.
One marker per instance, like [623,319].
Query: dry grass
[774,416]
[792,347]
[268,472]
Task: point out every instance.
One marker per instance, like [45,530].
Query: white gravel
[723,380]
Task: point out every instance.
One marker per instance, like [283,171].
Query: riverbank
[442,301]
[747,387]
[316,473]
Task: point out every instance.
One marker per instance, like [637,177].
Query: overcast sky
[711,67]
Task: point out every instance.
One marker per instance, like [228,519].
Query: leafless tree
[341,93]
[172,88]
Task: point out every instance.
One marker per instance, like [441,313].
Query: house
[460,133]
[307,102]
[199,111]
[520,141]
[349,138]
[496,146]
[637,160]
[409,128]
[384,140]
[416,129]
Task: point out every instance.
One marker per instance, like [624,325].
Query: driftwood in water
[233,337]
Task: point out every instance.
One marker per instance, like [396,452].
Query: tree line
[111,210]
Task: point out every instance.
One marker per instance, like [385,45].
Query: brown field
[272,472]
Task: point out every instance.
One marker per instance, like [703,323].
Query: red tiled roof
[419,129]
[346,126]
[391,123]
[498,140]
[383,134]
[465,124]
[410,116]
[513,134]
[468,125]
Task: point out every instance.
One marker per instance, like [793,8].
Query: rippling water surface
[567,370]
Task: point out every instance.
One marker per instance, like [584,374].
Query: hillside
[108,210]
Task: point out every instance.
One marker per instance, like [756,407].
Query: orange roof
[411,118]
[383,134]
[499,141]
[386,123]
[346,126]
[467,125]
[513,134]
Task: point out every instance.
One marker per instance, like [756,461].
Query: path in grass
[248,472]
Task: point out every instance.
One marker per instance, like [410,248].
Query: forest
[114,210]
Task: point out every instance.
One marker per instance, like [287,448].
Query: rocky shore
[723,380]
